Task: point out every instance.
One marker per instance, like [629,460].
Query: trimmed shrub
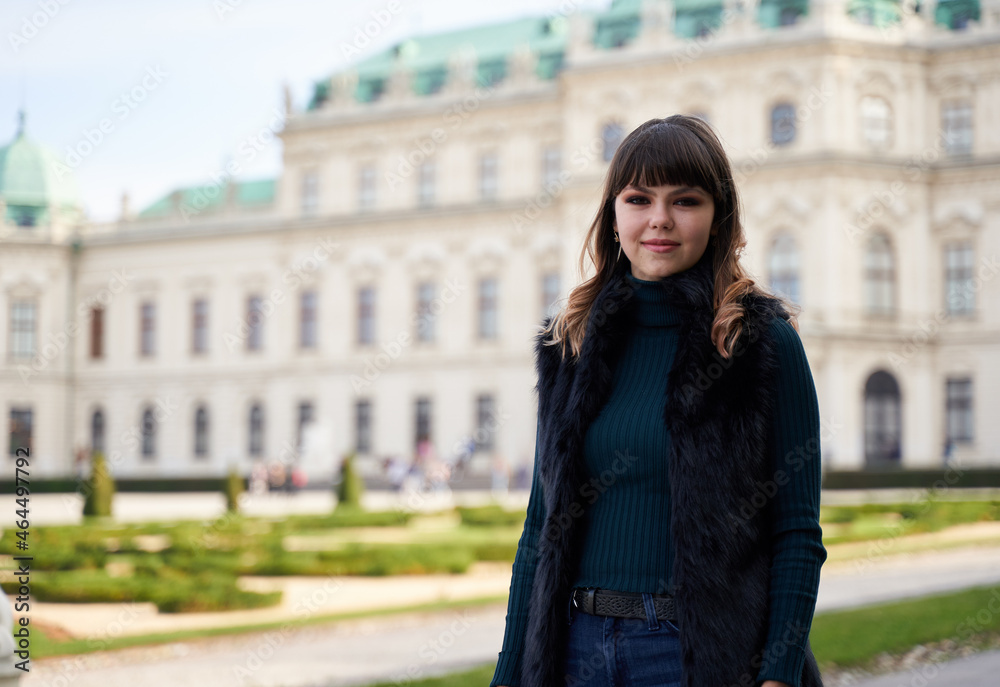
[233,488]
[99,489]
[351,486]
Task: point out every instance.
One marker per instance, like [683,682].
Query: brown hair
[677,150]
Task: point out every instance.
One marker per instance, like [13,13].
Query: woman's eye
[629,200]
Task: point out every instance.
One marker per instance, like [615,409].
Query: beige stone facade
[868,160]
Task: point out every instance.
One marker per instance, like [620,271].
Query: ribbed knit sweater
[627,545]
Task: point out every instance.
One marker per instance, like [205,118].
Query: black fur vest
[718,413]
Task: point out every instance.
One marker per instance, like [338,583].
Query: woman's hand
[774,683]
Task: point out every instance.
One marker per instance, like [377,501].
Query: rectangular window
[307,319]
[147,328]
[310,193]
[363,426]
[423,419]
[256,433]
[488,308]
[367,187]
[956,126]
[20,431]
[488,176]
[305,419]
[425,312]
[96,333]
[550,293]
[255,323]
[959,409]
[425,184]
[960,298]
[485,427]
[22,329]
[199,325]
[366,315]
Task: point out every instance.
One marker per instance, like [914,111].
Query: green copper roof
[195,200]
[953,14]
[31,175]
[428,55]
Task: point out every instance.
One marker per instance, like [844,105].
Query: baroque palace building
[381,294]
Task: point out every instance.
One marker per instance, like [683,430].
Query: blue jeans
[622,652]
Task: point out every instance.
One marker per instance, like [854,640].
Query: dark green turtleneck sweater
[627,544]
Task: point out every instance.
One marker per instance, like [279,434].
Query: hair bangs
[667,155]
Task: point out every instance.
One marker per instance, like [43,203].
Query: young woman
[672,536]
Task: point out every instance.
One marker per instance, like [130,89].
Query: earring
[616,237]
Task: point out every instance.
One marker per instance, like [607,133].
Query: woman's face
[678,216]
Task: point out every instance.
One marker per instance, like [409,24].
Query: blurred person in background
[672,535]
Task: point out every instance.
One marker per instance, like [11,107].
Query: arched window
[97,431]
[880,276]
[148,433]
[783,267]
[876,122]
[256,430]
[882,419]
[201,432]
[611,137]
[782,124]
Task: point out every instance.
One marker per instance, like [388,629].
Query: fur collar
[718,412]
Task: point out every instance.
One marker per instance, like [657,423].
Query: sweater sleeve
[797,538]
[508,670]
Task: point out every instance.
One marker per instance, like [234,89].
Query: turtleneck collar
[653,305]
[666,301]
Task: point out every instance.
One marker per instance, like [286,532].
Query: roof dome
[32,177]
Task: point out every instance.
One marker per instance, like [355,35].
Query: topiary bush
[233,489]
[99,489]
[351,486]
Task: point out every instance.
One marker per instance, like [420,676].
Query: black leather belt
[622,604]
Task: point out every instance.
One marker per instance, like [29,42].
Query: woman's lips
[660,248]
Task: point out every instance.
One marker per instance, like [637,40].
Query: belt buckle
[587,606]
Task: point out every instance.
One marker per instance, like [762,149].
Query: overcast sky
[209,74]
